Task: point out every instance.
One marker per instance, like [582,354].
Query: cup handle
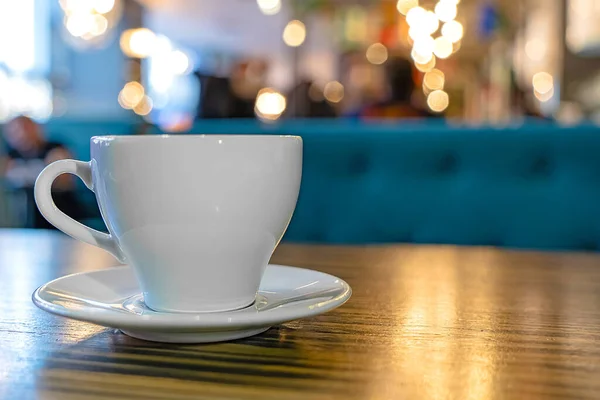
[43,199]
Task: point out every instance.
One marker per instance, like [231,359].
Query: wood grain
[425,322]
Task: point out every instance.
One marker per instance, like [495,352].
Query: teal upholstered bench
[533,186]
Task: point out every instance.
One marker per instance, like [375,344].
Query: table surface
[424,322]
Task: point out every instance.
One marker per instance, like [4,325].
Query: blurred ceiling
[235,25]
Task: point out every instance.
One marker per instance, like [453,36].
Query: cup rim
[188,136]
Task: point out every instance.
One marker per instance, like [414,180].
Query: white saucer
[112,298]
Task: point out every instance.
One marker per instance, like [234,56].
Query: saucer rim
[188,322]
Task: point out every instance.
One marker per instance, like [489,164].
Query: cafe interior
[450,174]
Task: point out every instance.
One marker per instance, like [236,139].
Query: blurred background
[357,71]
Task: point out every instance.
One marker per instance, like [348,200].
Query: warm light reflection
[377,53]
[446,11]
[334,92]
[442,47]
[404,6]
[438,100]
[269,7]
[270,104]
[294,33]
[453,31]
[138,43]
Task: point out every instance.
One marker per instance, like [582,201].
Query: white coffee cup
[196,216]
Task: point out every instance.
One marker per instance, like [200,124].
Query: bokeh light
[104,6]
[431,22]
[179,62]
[138,43]
[144,106]
[404,6]
[434,80]
[270,104]
[446,11]
[423,49]
[426,67]
[438,100]
[78,23]
[269,7]
[542,82]
[131,95]
[442,47]
[544,97]
[453,31]
[99,26]
[421,58]
[415,16]
[294,33]
[377,53]
[333,91]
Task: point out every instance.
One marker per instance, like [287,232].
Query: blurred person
[27,154]
[400,87]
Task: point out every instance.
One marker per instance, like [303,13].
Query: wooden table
[425,322]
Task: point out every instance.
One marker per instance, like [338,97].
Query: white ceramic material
[197,216]
[112,298]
